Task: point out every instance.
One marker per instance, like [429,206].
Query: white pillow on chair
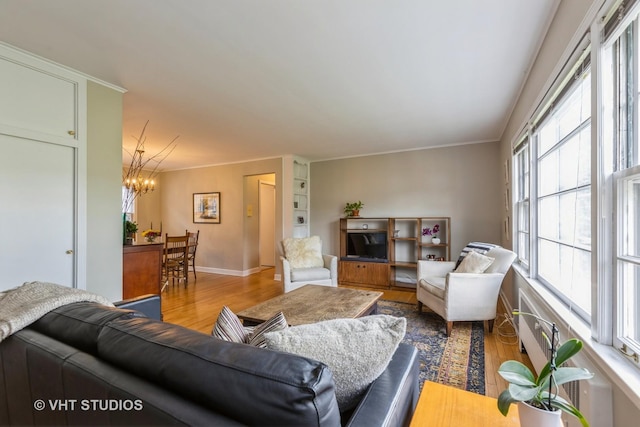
[303,252]
[474,262]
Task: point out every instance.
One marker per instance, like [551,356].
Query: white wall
[104,196]
[459,182]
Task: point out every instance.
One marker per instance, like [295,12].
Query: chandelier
[140,185]
[139,177]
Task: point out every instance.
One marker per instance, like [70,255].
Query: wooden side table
[441,405]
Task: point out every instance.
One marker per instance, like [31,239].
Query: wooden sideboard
[141,269]
[363,272]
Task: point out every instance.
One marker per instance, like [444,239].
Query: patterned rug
[457,361]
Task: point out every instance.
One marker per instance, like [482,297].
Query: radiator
[592,397]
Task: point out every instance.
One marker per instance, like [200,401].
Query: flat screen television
[365,246]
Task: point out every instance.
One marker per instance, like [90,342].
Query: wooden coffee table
[314,303]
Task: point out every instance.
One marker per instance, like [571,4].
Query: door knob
[69,251]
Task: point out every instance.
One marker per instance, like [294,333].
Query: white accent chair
[463,296]
[325,272]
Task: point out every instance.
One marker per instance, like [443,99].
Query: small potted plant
[538,396]
[353,209]
[130,229]
[433,232]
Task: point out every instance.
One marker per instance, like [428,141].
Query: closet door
[36,100]
[37,212]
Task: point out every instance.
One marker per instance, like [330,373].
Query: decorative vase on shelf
[435,240]
[531,416]
[151,238]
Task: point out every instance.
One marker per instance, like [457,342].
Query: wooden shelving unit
[425,245]
[405,245]
[300,198]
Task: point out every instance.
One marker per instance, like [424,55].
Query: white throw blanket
[21,306]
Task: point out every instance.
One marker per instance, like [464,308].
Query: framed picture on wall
[206,208]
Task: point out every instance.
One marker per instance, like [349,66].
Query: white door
[37,214]
[267,224]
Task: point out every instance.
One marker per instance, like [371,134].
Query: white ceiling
[251,79]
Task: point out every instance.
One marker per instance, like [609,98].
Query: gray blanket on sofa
[21,306]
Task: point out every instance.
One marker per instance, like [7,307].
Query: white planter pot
[533,417]
[435,240]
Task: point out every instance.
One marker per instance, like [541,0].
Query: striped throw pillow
[228,327]
[481,248]
[276,323]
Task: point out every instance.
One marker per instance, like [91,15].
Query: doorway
[267,213]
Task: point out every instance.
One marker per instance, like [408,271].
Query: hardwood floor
[197,307]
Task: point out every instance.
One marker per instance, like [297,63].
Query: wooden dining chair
[191,252]
[175,255]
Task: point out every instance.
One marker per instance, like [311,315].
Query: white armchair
[304,264]
[463,296]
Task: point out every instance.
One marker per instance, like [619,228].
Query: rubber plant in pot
[538,396]
[353,209]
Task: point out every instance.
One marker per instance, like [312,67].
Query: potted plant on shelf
[433,232]
[353,209]
[538,396]
[130,229]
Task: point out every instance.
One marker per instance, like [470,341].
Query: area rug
[457,361]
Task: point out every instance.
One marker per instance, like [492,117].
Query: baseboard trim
[226,272]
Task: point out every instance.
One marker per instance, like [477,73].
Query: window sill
[620,371]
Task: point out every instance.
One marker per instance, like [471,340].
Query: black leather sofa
[87,364]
